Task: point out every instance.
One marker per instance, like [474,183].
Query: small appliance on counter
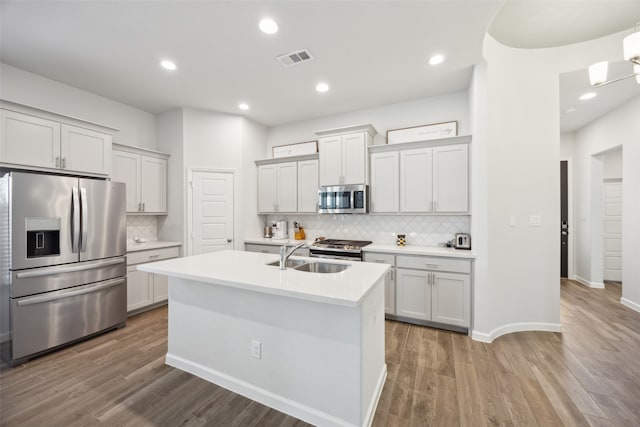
[268,234]
[279,229]
[462,241]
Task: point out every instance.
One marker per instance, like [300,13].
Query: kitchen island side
[307,344]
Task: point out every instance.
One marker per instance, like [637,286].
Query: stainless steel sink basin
[290,263]
[322,267]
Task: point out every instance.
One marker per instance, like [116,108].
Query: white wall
[612,164]
[210,140]
[521,289]
[593,142]
[136,127]
[393,116]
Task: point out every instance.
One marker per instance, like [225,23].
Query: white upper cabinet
[145,174]
[451,178]
[308,186]
[432,179]
[343,154]
[384,182]
[288,185]
[416,180]
[28,141]
[330,160]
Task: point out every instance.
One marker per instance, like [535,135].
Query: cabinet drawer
[265,249]
[151,255]
[380,258]
[434,263]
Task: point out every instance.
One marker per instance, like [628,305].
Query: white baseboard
[595,285]
[515,327]
[628,303]
[273,400]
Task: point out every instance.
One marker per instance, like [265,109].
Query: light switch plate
[535,221]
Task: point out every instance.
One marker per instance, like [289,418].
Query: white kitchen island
[308,344]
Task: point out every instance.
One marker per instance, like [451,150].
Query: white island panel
[322,359]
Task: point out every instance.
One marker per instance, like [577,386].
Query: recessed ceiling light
[587,95]
[268,26]
[168,65]
[436,59]
[243,106]
[322,87]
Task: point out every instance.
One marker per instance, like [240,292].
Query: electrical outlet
[512,221]
[256,349]
[535,221]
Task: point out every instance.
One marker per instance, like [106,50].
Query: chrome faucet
[284,254]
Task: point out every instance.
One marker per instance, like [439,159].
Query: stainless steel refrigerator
[63,263]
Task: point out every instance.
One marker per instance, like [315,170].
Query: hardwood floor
[588,375]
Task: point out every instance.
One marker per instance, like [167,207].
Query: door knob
[229,240]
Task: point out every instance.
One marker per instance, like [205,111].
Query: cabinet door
[451,178]
[125,167]
[267,185]
[413,292]
[153,184]
[160,287]
[451,296]
[139,289]
[28,140]
[354,158]
[85,150]
[330,149]
[390,282]
[308,186]
[416,180]
[287,187]
[384,182]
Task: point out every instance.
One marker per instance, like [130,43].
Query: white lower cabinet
[431,290]
[274,249]
[144,290]
[390,282]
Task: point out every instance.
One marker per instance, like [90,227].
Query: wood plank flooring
[588,375]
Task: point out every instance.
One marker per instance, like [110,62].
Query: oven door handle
[66,294]
[48,271]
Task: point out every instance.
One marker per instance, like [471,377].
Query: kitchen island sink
[310,345]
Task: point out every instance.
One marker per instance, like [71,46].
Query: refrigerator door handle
[60,295]
[60,269]
[75,238]
[85,218]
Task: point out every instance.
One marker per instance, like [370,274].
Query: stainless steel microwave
[343,199]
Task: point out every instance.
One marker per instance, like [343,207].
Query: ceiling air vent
[294,58]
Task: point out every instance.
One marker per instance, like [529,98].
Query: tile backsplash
[423,230]
[142,226]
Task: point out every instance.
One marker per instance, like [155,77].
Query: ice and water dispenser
[43,237]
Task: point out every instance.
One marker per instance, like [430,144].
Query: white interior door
[212,212]
[613,231]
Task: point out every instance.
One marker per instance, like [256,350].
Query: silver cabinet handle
[89,290]
[48,271]
[75,203]
[85,219]
[64,163]
[57,162]
[153,256]
[432,265]
[139,207]
[143,208]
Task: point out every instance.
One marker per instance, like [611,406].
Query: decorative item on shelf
[297,149]
[401,239]
[631,49]
[422,133]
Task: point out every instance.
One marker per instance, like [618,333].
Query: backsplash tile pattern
[423,230]
[142,226]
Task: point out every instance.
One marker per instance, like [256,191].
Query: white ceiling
[370,53]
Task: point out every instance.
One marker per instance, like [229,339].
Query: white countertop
[276,242]
[155,244]
[249,270]
[420,250]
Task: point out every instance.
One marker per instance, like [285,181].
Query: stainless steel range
[338,249]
